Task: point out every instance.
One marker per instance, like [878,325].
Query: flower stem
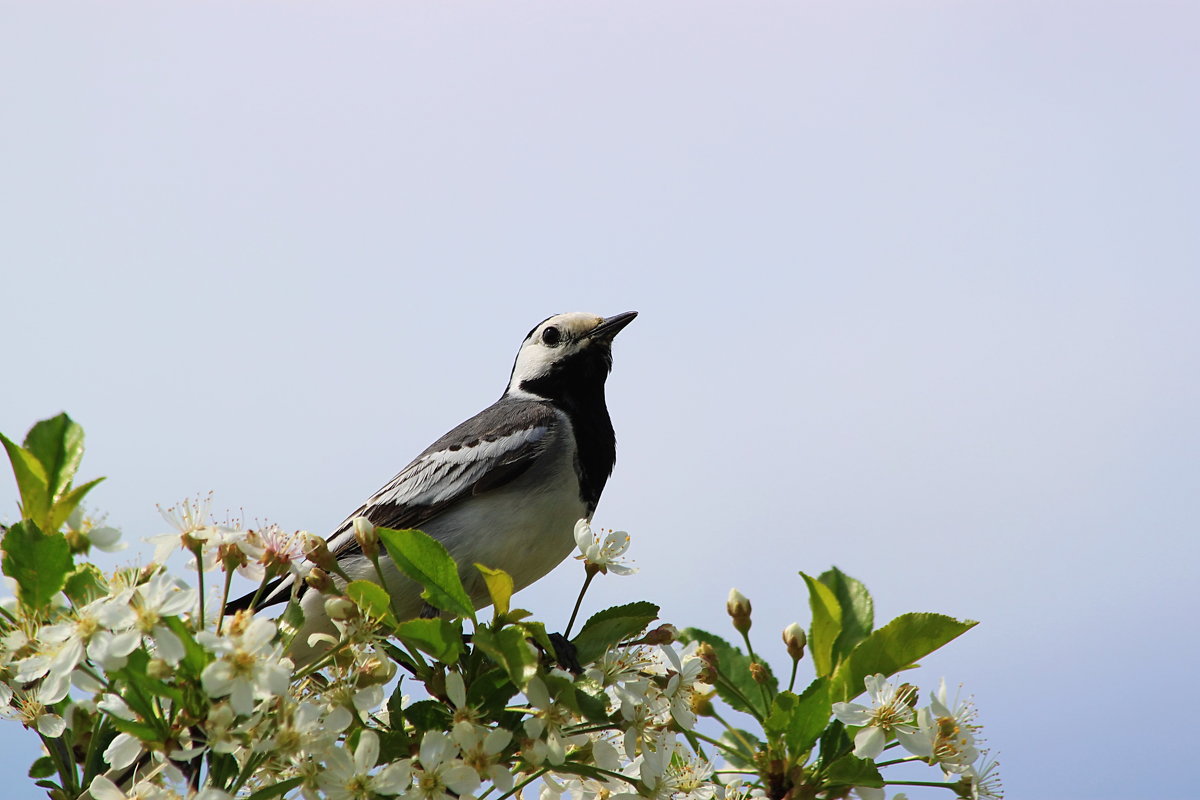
[586,583]
[736,692]
[524,783]
[899,761]
[755,660]
[735,733]
[792,682]
[196,551]
[224,598]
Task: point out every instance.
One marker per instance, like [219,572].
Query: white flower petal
[869,742]
[122,751]
[51,725]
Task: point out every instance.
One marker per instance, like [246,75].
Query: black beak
[611,326]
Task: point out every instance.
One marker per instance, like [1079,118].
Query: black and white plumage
[506,487]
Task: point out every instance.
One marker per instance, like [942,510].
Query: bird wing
[486,452]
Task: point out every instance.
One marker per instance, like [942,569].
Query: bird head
[566,353]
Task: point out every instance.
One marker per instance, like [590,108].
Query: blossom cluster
[141,684]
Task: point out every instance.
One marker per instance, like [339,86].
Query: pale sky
[917,281]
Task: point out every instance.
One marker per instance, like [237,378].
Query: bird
[504,488]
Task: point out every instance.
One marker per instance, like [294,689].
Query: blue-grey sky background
[918,285]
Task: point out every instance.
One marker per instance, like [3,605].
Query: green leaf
[509,648]
[739,748]
[42,768]
[850,770]
[395,705]
[139,730]
[826,624]
[734,668]
[85,584]
[58,444]
[428,715]
[32,483]
[610,627]
[277,789]
[68,502]
[438,637]
[798,720]
[393,744]
[195,657]
[426,561]
[537,632]
[499,586]
[490,691]
[38,562]
[858,610]
[895,646]
[835,743]
[373,600]
[291,621]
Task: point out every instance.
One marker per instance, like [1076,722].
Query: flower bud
[341,608]
[795,639]
[663,634]
[702,704]
[319,580]
[367,538]
[759,673]
[376,671]
[159,669]
[316,550]
[739,609]
[708,657]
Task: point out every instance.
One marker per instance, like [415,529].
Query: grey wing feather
[483,453]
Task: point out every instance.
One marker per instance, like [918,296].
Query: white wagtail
[506,487]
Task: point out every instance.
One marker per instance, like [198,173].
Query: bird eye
[551,336]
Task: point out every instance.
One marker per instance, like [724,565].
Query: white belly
[525,528]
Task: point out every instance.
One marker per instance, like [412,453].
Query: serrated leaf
[899,644]
[850,770]
[374,601]
[68,502]
[42,767]
[58,444]
[137,729]
[834,743]
[858,610]
[491,690]
[195,657]
[426,561]
[499,586]
[37,561]
[826,624]
[798,720]
[734,667]
[135,673]
[537,632]
[438,637]
[393,745]
[428,715]
[32,483]
[85,584]
[611,626]
[509,648]
[739,748]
